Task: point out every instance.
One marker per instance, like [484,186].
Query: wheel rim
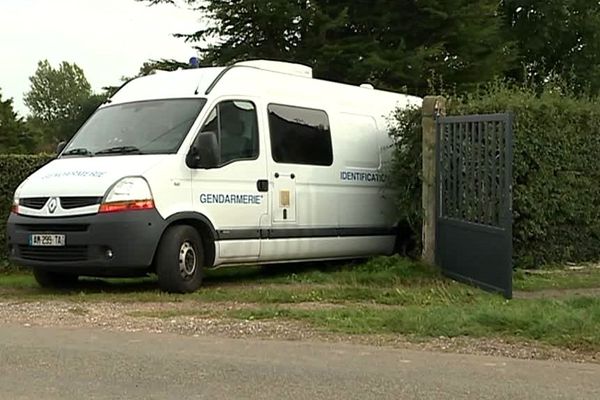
[187,260]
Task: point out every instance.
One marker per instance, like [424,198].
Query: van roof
[278,81]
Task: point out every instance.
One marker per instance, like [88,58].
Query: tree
[555,39]
[405,43]
[392,43]
[14,137]
[60,100]
[245,29]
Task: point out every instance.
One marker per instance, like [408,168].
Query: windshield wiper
[120,150]
[80,151]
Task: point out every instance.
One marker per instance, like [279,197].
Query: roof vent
[367,86]
[279,66]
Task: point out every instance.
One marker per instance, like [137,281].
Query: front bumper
[132,237]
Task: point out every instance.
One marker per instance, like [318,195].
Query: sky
[108,39]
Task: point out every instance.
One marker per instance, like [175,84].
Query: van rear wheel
[180,260]
[54,280]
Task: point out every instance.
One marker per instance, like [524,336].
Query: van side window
[236,126]
[300,135]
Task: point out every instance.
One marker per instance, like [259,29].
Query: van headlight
[128,194]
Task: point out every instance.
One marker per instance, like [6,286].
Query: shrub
[407,175]
[13,170]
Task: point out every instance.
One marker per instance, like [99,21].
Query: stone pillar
[432,107]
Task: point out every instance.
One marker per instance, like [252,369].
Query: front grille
[37,203]
[53,228]
[53,254]
[75,202]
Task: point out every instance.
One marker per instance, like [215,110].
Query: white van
[180,171]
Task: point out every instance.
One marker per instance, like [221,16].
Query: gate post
[432,107]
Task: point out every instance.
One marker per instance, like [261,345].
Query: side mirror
[204,153]
[60,147]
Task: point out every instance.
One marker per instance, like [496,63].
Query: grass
[386,281]
[384,295]
[557,279]
[572,323]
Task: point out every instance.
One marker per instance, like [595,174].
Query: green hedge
[556,179]
[13,170]
[406,175]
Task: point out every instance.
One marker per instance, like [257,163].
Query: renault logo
[52,204]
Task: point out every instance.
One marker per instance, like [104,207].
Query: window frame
[302,108]
[209,112]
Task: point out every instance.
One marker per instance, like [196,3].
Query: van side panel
[361,177]
[326,248]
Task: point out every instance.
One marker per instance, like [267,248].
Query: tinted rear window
[300,135]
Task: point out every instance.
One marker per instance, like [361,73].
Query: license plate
[47,239]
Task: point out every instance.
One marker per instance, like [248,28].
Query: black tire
[180,260]
[54,280]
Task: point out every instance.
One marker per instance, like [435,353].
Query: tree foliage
[14,134]
[60,100]
[57,93]
[390,43]
[404,43]
[452,44]
[244,29]
[556,39]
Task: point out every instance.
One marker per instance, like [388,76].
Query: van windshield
[145,127]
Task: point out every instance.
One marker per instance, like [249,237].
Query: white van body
[292,195]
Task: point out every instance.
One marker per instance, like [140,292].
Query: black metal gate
[474,209]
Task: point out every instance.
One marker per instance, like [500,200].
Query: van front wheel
[180,260]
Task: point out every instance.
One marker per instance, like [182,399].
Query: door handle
[292,175]
[262,185]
